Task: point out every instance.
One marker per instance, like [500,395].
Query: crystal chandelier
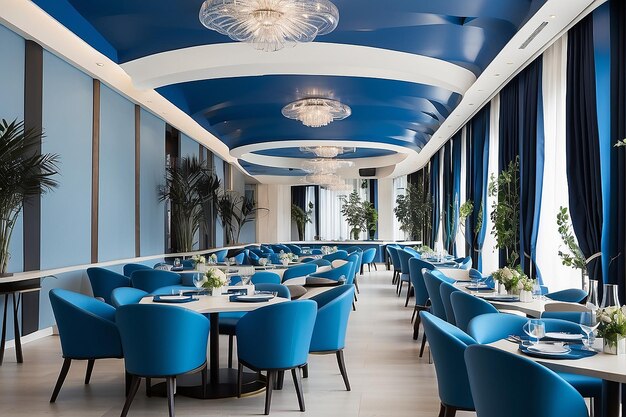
[326,151]
[325,166]
[323,179]
[342,188]
[316,112]
[269,25]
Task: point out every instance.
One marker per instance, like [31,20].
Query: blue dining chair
[280,248]
[256,251]
[276,338]
[448,344]
[412,251]
[240,258]
[130,268]
[188,264]
[351,249]
[103,282]
[152,279]
[506,384]
[340,254]
[228,321]
[422,302]
[267,249]
[87,330]
[295,249]
[318,262]
[570,295]
[573,316]
[368,259]
[433,282]
[316,251]
[265,277]
[161,341]
[404,258]
[221,255]
[253,257]
[335,274]
[356,258]
[488,328]
[467,306]
[395,263]
[297,271]
[126,295]
[329,333]
[446,290]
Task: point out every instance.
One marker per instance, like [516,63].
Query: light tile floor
[388,378]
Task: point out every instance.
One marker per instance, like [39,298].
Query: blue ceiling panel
[255,169]
[295,153]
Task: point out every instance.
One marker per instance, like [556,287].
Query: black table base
[191,385]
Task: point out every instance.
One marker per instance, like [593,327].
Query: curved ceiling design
[403,66]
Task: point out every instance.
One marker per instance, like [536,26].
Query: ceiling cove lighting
[270,25]
[326,151]
[316,112]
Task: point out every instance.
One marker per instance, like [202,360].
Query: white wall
[274,225]
[385,209]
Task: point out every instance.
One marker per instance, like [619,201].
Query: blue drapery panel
[477,172]
[447,209]
[456,188]
[617,268]
[583,151]
[434,192]
[531,169]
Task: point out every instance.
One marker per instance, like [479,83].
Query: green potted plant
[413,211]
[234,211]
[301,218]
[214,279]
[24,173]
[506,210]
[371,215]
[572,256]
[189,185]
[612,329]
[352,210]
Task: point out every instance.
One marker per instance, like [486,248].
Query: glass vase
[609,296]
[592,295]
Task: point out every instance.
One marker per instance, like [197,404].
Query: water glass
[536,291]
[588,324]
[177,263]
[198,280]
[535,329]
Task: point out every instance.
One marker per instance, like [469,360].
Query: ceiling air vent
[533,35]
[367,172]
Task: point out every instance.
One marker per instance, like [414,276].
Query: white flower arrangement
[213,258]
[263,261]
[525,283]
[293,257]
[284,256]
[198,259]
[510,278]
[214,278]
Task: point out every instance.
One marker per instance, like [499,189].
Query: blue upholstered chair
[433,283]
[358,268]
[488,328]
[130,268]
[161,341]
[570,295]
[496,393]
[295,249]
[276,338]
[240,258]
[221,255]
[256,251]
[188,264]
[404,257]
[392,251]
[442,276]
[448,344]
[299,271]
[265,277]
[368,259]
[318,262]
[412,251]
[351,249]
[340,254]
[126,295]
[103,282]
[267,249]
[278,248]
[253,257]
[467,306]
[446,290]
[316,251]
[573,316]
[228,321]
[419,288]
[87,330]
[355,260]
[151,280]
[344,270]
[329,334]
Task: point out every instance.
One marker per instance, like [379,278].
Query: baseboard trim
[39,334]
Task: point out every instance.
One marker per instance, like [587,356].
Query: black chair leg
[171,390]
[375,268]
[148,387]
[450,411]
[416,325]
[230,351]
[268,391]
[413,316]
[64,370]
[408,294]
[280,380]
[239,379]
[205,379]
[423,345]
[295,374]
[132,390]
[90,364]
[442,411]
[353,306]
[305,371]
[342,368]
[369,268]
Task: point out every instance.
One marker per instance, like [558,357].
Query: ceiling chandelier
[269,25]
[323,179]
[326,151]
[316,112]
[343,188]
[325,166]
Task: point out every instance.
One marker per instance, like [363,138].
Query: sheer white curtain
[490,254]
[399,188]
[333,225]
[309,229]
[555,190]
[460,236]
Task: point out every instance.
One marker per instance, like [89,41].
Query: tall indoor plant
[352,209]
[301,218]
[371,219]
[234,211]
[189,185]
[413,211]
[506,211]
[24,173]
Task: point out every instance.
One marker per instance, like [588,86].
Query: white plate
[550,348]
[255,297]
[564,336]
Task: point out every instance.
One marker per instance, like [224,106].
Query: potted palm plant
[234,212]
[24,173]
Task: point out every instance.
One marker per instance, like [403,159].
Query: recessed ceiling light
[480,90]
[471,104]
[100,64]
[509,63]
[496,75]
[552,16]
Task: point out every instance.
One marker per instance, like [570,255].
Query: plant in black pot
[371,219]
[24,173]
[301,218]
[354,212]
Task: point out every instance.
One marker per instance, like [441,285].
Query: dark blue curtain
[317,211]
[434,193]
[456,188]
[477,171]
[447,209]
[617,268]
[583,149]
[531,169]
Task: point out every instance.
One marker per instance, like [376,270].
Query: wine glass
[177,263]
[246,274]
[535,329]
[198,280]
[232,261]
[536,291]
[588,324]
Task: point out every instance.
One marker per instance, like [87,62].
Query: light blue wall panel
[116,221]
[67,123]
[12,107]
[218,165]
[188,146]
[152,175]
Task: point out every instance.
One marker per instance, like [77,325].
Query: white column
[490,255]
[386,204]
[274,225]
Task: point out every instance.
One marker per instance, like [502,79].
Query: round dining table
[222,382]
